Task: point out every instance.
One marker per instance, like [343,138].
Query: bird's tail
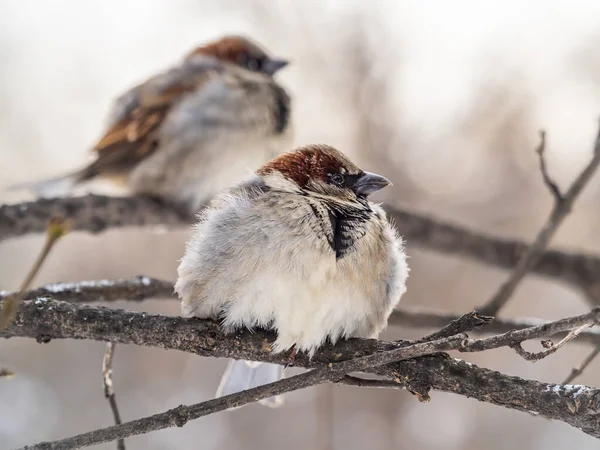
[242,375]
[52,187]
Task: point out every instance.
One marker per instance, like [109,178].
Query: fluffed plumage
[297,248]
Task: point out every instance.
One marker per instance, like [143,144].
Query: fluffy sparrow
[297,248]
[194,129]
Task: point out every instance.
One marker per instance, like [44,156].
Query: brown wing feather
[135,137]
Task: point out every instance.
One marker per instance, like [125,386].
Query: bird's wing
[223,253]
[398,266]
[132,133]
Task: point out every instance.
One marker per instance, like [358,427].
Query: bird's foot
[292,357]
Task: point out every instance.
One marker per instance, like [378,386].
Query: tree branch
[550,347]
[141,288]
[136,288]
[512,337]
[420,318]
[548,181]
[562,207]
[92,213]
[95,213]
[46,319]
[182,414]
[462,324]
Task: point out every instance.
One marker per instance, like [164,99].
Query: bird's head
[322,171]
[242,52]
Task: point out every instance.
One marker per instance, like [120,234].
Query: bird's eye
[253,64]
[337,179]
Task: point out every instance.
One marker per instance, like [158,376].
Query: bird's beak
[369,183]
[273,65]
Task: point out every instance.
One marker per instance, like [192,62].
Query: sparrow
[189,132]
[297,248]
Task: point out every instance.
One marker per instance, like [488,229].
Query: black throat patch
[348,225]
[281,112]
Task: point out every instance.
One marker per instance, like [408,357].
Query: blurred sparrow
[187,133]
[297,248]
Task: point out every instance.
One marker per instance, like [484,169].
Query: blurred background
[444,98]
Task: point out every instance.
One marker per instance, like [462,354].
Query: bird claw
[292,357]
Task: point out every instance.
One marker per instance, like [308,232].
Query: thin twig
[463,324]
[513,337]
[548,181]
[549,345]
[109,391]
[562,207]
[575,372]
[422,318]
[57,228]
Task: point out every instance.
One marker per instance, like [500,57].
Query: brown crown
[309,162]
[228,48]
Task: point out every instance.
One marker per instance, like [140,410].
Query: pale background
[444,98]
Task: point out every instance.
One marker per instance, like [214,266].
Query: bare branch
[420,318]
[141,288]
[549,345]
[586,362]
[136,288]
[94,214]
[513,337]
[463,324]
[548,181]
[109,391]
[562,207]
[45,319]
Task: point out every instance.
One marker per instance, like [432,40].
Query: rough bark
[45,319]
